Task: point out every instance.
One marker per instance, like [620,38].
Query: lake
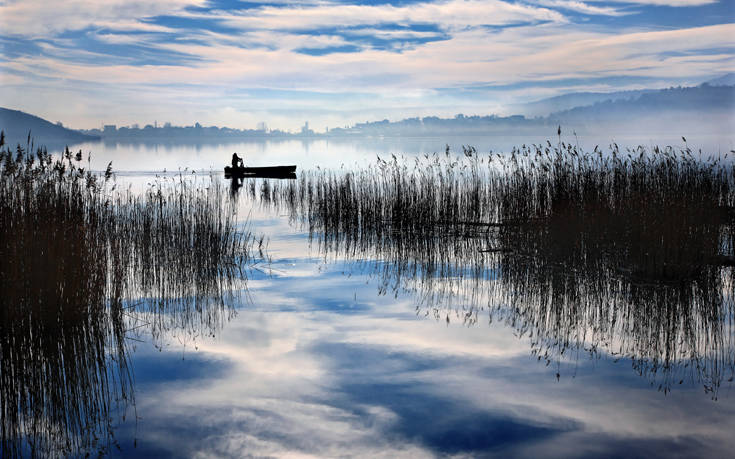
[338,152]
[381,351]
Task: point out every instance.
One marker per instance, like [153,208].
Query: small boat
[263,172]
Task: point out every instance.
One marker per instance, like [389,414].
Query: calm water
[325,355]
[336,153]
[321,360]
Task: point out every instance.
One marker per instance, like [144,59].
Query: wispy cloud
[39,18]
[408,59]
[671,3]
[454,14]
[582,7]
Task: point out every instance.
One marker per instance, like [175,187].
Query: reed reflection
[622,253]
[84,269]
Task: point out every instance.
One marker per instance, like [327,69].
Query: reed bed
[181,254]
[629,253]
[79,264]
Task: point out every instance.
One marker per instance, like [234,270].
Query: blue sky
[235,63]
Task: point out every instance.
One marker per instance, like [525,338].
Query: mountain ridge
[19,126]
[709,107]
[563,102]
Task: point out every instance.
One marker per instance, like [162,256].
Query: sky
[334,63]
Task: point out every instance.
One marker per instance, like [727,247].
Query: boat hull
[263,172]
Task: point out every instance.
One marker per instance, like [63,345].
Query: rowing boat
[270,171]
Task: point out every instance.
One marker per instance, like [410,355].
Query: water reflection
[308,368]
[64,368]
[336,152]
[603,255]
[84,273]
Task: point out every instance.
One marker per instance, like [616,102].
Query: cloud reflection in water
[378,381]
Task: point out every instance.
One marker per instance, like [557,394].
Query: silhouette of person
[236,160]
[235,185]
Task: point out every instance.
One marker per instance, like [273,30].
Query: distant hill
[703,98]
[724,80]
[432,126]
[17,124]
[709,108]
[705,109]
[545,107]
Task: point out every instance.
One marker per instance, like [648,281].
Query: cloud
[382,60]
[40,18]
[453,14]
[581,7]
[672,3]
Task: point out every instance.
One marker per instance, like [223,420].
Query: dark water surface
[325,351]
[323,359]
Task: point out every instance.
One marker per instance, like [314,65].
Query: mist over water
[336,153]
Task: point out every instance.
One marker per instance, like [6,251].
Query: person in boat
[236,161]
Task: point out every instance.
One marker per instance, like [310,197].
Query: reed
[629,253]
[80,266]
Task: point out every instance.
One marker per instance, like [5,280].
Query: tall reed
[628,252]
[79,264]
